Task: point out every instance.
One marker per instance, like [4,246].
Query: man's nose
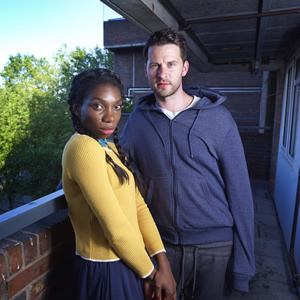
[162,72]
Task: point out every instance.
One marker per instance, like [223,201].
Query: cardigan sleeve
[87,164]
[148,227]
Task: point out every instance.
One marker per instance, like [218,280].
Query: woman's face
[100,112]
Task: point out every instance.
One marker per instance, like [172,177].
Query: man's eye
[118,107]
[153,66]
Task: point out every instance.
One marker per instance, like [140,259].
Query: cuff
[143,277]
[157,252]
[241,282]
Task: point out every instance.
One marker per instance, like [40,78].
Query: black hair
[164,37]
[81,85]
[84,83]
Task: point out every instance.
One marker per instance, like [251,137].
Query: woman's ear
[76,109]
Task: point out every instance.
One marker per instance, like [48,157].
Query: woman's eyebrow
[101,99]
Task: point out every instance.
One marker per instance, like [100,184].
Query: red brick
[14,251]
[29,242]
[30,249]
[28,275]
[44,238]
[3,267]
[37,288]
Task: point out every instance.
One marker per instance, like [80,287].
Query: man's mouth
[163,84]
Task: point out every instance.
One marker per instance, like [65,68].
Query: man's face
[165,69]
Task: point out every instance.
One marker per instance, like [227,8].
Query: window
[287,106]
[292,99]
[294,121]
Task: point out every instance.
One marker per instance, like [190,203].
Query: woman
[115,233]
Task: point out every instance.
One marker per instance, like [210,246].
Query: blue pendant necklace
[103,142]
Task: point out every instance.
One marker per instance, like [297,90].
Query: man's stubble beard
[162,94]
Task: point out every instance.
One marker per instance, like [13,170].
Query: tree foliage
[34,119]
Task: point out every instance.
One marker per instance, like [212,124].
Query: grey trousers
[200,271]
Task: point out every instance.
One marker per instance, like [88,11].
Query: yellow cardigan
[111,220]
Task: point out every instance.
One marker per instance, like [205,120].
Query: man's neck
[175,103]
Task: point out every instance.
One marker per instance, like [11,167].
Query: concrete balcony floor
[272,280]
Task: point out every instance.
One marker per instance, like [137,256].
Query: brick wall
[122,32]
[36,262]
[258,148]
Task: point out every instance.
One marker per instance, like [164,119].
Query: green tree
[71,63]
[25,80]
[34,119]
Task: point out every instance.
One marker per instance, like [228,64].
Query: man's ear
[76,109]
[185,68]
[145,70]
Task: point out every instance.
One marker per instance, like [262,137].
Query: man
[188,150]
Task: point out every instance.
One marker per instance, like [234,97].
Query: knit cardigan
[111,220]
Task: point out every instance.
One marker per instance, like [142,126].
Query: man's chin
[163,92]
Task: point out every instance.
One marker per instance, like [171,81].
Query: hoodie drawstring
[190,134]
[157,131]
[194,271]
[182,274]
[195,262]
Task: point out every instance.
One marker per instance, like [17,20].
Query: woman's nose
[108,116]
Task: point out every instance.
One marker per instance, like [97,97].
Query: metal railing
[25,215]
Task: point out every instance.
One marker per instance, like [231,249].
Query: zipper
[174,184]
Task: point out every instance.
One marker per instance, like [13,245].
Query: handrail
[20,217]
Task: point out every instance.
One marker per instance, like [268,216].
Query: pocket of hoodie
[196,207]
[160,201]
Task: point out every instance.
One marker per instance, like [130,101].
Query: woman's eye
[98,106]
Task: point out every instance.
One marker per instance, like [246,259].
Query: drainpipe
[133,68]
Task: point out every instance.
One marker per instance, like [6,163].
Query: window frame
[291,109]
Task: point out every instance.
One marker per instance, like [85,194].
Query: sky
[41,27]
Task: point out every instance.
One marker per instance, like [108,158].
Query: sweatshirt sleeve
[239,195]
[87,164]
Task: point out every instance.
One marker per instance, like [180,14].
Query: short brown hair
[166,36]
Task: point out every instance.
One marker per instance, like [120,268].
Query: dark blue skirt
[105,281]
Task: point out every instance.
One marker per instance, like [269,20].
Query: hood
[209,98]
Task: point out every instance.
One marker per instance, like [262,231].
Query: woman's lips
[107,131]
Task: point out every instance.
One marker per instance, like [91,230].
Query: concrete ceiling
[223,35]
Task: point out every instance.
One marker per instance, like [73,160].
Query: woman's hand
[149,286]
[160,284]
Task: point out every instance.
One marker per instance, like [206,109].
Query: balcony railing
[37,250]
[18,218]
